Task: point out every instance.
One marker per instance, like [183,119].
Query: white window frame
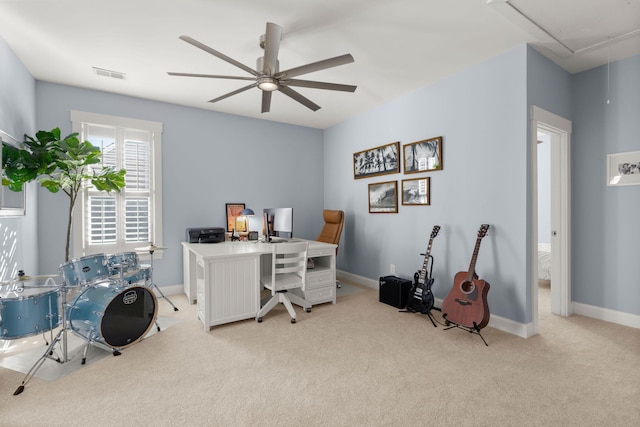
[80,241]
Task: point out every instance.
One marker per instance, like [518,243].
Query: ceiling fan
[268,77]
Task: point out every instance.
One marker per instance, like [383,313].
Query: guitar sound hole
[467,287]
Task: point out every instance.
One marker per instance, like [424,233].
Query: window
[119,222]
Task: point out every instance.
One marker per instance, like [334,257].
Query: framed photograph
[423,156]
[416,192]
[233,212]
[377,161]
[383,197]
[623,168]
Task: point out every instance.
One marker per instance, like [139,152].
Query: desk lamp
[245,213]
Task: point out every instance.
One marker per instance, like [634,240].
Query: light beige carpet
[31,349]
[358,362]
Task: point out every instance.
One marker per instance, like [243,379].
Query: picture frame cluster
[418,157]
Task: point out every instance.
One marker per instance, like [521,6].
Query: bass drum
[114,316]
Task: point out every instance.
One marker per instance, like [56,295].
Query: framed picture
[416,192]
[233,212]
[423,156]
[623,168]
[383,197]
[377,161]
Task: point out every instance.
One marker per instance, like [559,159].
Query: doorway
[557,131]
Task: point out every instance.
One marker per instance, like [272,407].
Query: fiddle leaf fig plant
[59,164]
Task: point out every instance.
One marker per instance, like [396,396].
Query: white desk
[224,278]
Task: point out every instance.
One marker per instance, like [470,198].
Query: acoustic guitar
[466,304]
[421,298]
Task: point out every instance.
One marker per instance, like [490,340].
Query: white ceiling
[398,46]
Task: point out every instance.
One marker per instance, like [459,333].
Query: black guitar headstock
[435,231]
[483,230]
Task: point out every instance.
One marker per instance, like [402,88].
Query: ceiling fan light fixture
[267,84]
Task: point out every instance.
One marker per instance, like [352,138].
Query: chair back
[288,266]
[332,230]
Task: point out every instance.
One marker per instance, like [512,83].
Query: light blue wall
[606,220]
[18,235]
[209,159]
[481,113]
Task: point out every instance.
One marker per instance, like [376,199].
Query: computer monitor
[278,222]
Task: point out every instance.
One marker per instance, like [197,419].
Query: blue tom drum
[141,275]
[86,270]
[125,261]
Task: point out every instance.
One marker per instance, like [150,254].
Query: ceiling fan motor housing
[260,66]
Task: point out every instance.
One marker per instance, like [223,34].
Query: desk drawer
[319,295]
[321,252]
[319,278]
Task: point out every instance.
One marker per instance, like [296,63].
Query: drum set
[113,305]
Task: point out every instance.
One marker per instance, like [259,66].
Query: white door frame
[559,130]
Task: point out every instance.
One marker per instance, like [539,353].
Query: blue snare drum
[85,270]
[114,316]
[141,275]
[27,308]
[125,261]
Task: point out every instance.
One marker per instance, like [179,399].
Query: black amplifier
[394,291]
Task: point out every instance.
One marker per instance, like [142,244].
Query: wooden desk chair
[332,230]
[288,271]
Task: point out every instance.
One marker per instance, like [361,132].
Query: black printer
[205,235]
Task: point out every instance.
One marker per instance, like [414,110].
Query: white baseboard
[360,280]
[170,290]
[625,319]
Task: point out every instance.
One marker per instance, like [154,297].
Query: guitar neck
[423,272]
[472,265]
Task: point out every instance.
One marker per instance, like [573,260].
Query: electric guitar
[420,297]
[466,305]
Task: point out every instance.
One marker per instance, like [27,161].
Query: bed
[544,261]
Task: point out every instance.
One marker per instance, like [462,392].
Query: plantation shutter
[124,216]
[132,218]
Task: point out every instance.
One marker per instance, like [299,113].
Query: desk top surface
[224,249]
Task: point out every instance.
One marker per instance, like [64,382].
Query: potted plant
[59,164]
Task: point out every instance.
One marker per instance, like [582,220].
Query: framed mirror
[11,203]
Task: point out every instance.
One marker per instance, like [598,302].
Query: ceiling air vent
[108,73]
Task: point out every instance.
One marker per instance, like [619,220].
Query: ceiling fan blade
[210,76]
[235,92]
[318,85]
[222,56]
[266,101]
[271,48]
[296,96]
[316,66]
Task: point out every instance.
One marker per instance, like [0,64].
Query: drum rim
[72,260]
[26,297]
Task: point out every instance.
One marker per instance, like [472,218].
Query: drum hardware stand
[61,335]
[152,248]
